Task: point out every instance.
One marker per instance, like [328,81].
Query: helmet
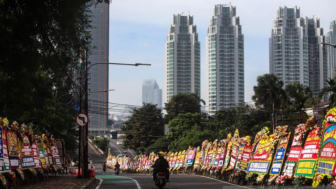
[161,154]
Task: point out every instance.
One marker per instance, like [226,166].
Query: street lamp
[85,128]
[329,44]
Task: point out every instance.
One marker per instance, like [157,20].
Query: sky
[139,29]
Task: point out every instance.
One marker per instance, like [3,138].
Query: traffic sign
[82,119]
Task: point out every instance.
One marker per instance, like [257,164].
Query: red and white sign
[82,119]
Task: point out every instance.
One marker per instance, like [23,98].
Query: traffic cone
[92,172]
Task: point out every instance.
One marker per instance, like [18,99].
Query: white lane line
[223,181]
[100,182]
[131,152]
[136,182]
[115,147]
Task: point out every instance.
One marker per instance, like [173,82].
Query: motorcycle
[160,180]
[117,171]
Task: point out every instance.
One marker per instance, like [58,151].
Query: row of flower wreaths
[24,155]
[306,157]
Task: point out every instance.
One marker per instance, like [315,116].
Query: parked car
[122,155]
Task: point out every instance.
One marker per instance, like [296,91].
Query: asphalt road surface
[118,149]
[144,181]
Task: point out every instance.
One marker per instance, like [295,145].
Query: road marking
[100,182]
[223,181]
[136,182]
[113,177]
[115,147]
[131,152]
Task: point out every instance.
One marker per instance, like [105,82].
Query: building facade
[98,75]
[330,37]
[182,58]
[288,47]
[224,60]
[151,93]
[316,56]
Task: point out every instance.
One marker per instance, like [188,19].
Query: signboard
[308,157]
[13,150]
[5,150]
[245,158]
[191,157]
[262,157]
[82,119]
[27,158]
[36,156]
[327,158]
[280,155]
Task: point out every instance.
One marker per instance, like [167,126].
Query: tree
[297,95]
[331,89]
[41,44]
[180,126]
[269,94]
[142,128]
[182,103]
[161,144]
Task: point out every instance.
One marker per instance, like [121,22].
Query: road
[117,149]
[144,181]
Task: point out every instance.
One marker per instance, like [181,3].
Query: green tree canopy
[269,92]
[297,95]
[143,127]
[331,90]
[182,103]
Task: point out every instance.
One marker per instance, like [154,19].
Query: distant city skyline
[151,92]
[138,36]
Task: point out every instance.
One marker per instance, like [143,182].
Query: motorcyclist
[117,165]
[161,165]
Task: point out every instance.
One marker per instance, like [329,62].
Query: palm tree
[331,89]
[269,94]
[297,95]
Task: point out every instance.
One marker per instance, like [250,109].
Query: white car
[119,142]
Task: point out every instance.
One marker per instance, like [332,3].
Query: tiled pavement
[63,182]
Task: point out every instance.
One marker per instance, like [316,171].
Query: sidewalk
[63,182]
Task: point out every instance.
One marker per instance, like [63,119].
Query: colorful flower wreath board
[27,157]
[262,157]
[280,155]
[3,151]
[327,158]
[41,152]
[54,152]
[244,159]
[308,158]
[191,156]
[13,149]
[295,151]
[197,158]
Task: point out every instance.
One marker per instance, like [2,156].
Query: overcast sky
[139,29]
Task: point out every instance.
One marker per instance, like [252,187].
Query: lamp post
[329,44]
[85,128]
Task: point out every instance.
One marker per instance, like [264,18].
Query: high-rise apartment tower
[330,38]
[289,47]
[224,60]
[182,58]
[316,56]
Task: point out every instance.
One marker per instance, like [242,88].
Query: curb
[96,147]
[87,185]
